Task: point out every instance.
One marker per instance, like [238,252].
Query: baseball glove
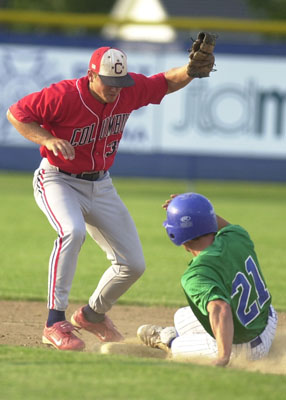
[201,55]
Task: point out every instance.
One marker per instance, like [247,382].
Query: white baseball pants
[193,340]
[74,206]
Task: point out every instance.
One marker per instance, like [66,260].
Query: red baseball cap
[111,66]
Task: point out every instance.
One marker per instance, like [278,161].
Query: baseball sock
[55,316]
[91,315]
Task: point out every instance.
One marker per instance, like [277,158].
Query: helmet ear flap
[177,235]
[189,216]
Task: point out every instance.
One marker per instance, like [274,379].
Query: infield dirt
[22,325]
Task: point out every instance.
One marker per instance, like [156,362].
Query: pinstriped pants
[193,340]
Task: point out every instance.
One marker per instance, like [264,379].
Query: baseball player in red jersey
[78,124]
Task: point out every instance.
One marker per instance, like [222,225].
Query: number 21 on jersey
[241,286]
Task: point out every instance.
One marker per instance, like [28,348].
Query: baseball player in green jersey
[230,309]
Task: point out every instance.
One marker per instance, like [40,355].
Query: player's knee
[135,263]
[139,268]
[182,314]
[135,270]
[76,235]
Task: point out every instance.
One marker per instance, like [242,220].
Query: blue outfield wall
[200,167]
[169,166]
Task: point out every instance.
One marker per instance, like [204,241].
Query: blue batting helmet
[189,216]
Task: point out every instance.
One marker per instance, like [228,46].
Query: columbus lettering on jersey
[82,136]
[113,125]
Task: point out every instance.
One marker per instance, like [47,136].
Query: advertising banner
[240,110]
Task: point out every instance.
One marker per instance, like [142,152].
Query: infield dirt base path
[22,325]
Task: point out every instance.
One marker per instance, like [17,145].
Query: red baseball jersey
[68,111]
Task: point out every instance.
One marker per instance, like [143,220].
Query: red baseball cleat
[105,330]
[61,337]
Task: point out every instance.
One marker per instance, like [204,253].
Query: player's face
[104,93]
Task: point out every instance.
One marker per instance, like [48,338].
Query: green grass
[26,242]
[27,238]
[38,373]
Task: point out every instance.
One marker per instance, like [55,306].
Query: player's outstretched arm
[35,133]
[221,321]
[177,78]
[200,65]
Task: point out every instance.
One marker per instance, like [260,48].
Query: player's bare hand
[221,362]
[167,202]
[60,146]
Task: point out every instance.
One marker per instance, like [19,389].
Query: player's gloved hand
[201,55]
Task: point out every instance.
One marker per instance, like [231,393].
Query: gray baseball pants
[74,206]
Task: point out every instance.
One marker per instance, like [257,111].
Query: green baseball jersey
[229,270]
